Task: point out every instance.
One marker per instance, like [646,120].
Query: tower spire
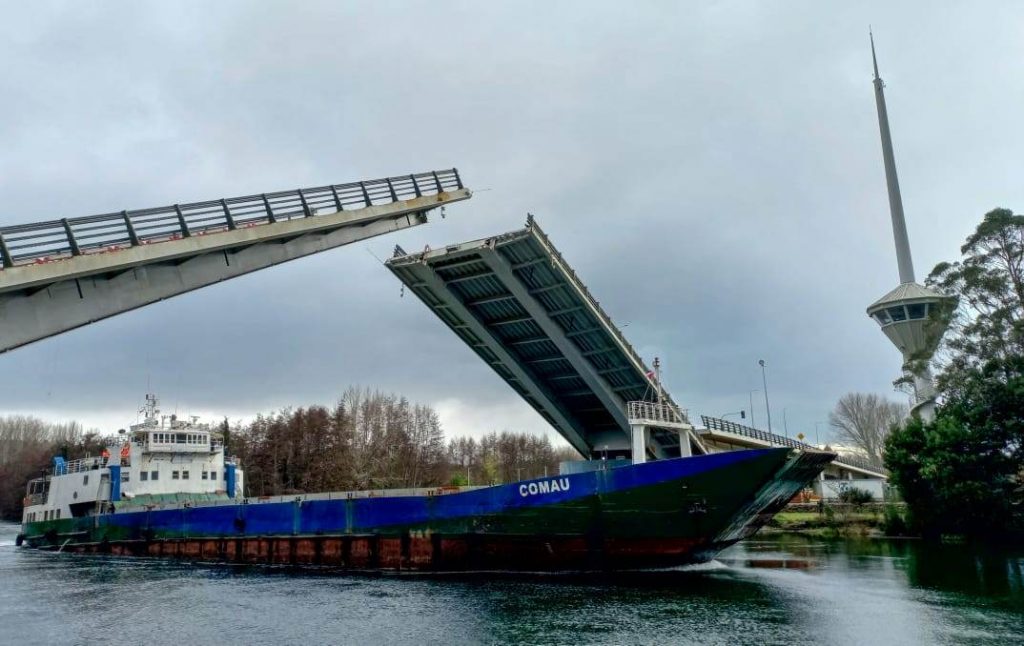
[874,59]
[899,224]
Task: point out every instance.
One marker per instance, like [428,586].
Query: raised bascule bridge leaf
[517,303]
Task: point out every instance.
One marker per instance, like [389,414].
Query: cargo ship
[648,493]
[166,489]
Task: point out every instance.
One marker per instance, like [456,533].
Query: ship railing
[84,464]
[725,426]
[42,242]
[654,413]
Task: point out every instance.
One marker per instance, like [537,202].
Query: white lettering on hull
[545,486]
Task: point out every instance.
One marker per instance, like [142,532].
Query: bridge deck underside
[516,303]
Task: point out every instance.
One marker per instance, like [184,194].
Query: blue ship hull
[661,513]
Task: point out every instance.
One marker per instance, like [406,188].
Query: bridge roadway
[62,274]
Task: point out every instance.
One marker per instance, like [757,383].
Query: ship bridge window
[916,311]
[883,317]
[181,438]
[897,313]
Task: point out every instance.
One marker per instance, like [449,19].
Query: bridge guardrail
[25,244]
[716,424]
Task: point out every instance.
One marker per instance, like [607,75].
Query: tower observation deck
[515,301]
[62,274]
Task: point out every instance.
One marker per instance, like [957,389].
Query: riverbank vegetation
[851,518]
[961,474]
[830,521]
[367,440]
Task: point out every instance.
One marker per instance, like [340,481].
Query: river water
[774,590]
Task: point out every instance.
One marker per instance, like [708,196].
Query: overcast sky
[712,172]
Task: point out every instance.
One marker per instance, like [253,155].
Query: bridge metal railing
[39,242]
[644,411]
[725,426]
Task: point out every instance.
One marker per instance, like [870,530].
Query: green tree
[986,337]
[955,475]
[962,472]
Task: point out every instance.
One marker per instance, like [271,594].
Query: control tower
[910,313]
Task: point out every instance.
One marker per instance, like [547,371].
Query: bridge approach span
[63,274]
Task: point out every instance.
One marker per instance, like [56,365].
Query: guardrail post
[182,223]
[437,181]
[415,186]
[305,204]
[366,195]
[133,237]
[270,210]
[7,259]
[458,180]
[75,251]
[391,187]
[227,215]
[337,200]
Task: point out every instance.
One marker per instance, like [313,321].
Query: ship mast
[657,378]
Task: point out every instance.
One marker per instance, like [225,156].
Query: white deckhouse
[149,465]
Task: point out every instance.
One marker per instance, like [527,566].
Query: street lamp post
[817,437]
[741,413]
[764,382]
[752,423]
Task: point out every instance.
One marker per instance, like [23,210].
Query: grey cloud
[713,174]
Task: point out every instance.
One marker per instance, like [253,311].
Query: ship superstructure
[162,458]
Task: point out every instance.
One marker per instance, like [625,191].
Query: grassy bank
[833,520]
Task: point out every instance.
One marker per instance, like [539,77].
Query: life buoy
[126,450]
[105,453]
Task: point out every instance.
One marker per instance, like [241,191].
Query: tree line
[367,440]
[373,440]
